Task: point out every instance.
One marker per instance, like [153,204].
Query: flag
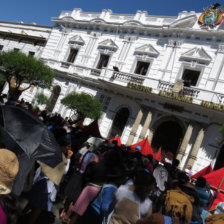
[157,156]
[145,147]
[118,139]
[206,170]
[216,180]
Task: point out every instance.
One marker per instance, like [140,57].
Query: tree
[84,105]
[41,99]
[18,67]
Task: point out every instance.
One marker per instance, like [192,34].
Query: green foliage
[25,69]
[83,104]
[40,98]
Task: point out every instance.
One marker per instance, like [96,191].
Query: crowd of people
[101,182]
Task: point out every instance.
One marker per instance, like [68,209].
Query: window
[31,53]
[105,101]
[190,77]
[72,55]
[1,47]
[103,61]
[141,68]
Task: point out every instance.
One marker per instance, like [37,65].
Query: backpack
[179,204]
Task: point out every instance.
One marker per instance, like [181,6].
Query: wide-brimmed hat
[9,167]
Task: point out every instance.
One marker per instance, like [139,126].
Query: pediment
[97,20]
[197,54]
[108,44]
[132,23]
[185,22]
[147,49]
[76,40]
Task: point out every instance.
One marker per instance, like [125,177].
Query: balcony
[186,91]
[193,95]
[125,77]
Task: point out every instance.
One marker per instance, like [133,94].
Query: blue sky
[41,11]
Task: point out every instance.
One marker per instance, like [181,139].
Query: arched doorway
[54,97]
[220,161]
[119,123]
[168,136]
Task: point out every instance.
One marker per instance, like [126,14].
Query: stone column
[145,127]
[151,133]
[185,142]
[196,147]
[135,127]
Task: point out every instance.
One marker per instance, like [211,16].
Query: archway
[168,136]
[219,161]
[119,122]
[54,97]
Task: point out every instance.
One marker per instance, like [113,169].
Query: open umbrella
[31,135]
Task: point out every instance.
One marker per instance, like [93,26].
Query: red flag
[216,179]
[157,156]
[118,139]
[145,147]
[206,170]
[220,198]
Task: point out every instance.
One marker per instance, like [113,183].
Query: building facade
[157,77]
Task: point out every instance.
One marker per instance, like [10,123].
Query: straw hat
[9,167]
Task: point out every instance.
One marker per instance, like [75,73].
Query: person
[99,210]
[131,201]
[188,170]
[46,183]
[203,197]
[9,167]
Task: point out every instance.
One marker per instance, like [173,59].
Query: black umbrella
[31,135]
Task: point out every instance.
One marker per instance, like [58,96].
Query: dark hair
[200,182]
[143,180]
[8,204]
[176,163]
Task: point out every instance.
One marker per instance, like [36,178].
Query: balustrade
[187,91]
[95,72]
[127,78]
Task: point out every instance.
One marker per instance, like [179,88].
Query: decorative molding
[197,54]
[147,49]
[108,44]
[220,49]
[187,22]
[174,43]
[77,39]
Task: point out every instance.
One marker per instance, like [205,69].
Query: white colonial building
[159,77]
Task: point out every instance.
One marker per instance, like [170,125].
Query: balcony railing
[127,78]
[95,72]
[186,91]
[188,94]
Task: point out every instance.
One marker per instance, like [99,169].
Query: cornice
[140,28]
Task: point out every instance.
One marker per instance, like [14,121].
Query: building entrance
[54,97]
[220,162]
[119,123]
[168,136]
